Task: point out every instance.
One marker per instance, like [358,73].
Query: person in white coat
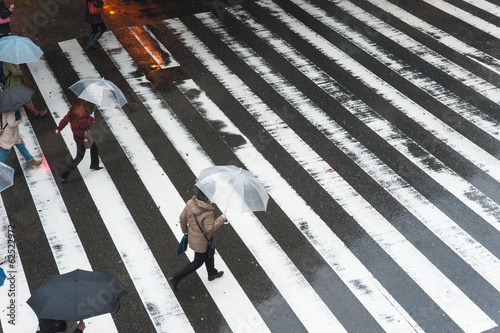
[10,136]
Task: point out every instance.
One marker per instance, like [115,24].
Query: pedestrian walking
[5,18]
[80,120]
[14,78]
[93,11]
[10,136]
[198,221]
[57,326]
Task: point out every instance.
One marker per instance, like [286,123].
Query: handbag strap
[203,232]
[1,122]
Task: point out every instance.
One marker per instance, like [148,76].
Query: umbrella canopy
[19,50]
[233,188]
[77,295]
[6,176]
[98,91]
[2,276]
[11,99]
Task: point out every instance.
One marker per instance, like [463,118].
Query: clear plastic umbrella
[19,50]
[233,188]
[99,91]
[6,176]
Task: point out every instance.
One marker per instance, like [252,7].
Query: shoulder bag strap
[1,122]
[203,232]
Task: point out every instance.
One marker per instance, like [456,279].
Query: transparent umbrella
[233,188]
[19,50]
[6,176]
[99,91]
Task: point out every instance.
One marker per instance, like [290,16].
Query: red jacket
[80,126]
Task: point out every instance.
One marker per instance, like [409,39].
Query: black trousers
[80,153]
[199,259]
[98,27]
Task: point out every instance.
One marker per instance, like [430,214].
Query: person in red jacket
[80,120]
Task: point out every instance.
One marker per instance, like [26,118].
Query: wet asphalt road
[48,25]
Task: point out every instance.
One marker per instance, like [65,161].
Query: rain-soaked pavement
[373,124]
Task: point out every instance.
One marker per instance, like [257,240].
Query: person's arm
[80,327]
[4,11]
[62,124]
[210,224]
[12,70]
[86,120]
[98,3]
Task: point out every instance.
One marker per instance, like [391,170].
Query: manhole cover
[164,75]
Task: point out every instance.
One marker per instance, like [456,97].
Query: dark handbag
[88,141]
[95,10]
[182,245]
[211,241]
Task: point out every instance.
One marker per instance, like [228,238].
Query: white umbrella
[6,176]
[233,188]
[99,91]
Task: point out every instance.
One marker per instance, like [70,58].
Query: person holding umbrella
[75,296]
[5,19]
[80,119]
[14,78]
[57,326]
[10,137]
[93,11]
[198,221]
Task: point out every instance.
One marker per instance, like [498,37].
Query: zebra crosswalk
[372,124]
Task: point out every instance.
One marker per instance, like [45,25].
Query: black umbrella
[11,99]
[77,295]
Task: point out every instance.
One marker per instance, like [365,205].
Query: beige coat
[204,213]
[10,135]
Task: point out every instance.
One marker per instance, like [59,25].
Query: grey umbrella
[77,295]
[11,99]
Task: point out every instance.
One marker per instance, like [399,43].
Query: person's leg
[212,272]
[95,29]
[38,114]
[210,265]
[80,153]
[199,259]
[94,157]
[30,161]
[4,153]
[24,151]
[102,28]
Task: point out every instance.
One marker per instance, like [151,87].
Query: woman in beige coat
[198,209]
[9,136]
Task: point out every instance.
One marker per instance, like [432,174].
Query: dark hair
[201,196]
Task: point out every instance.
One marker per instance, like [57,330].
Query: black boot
[173,283]
[89,43]
[93,42]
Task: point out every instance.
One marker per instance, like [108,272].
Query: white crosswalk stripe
[374,132]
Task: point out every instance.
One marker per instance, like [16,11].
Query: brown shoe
[34,163]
